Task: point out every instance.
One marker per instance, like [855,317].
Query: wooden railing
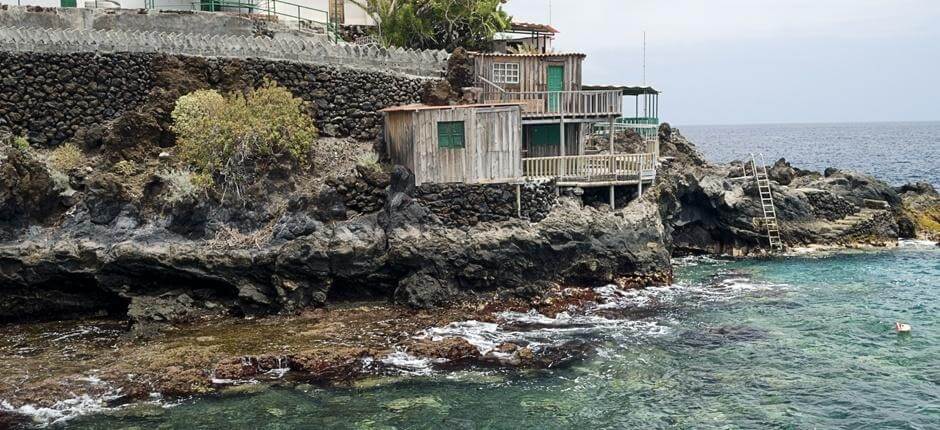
[602,103]
[588,168]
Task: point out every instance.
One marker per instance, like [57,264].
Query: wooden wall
[533,70]
[399,133]
[492,149]
[573,142]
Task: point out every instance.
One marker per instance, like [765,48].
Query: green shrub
[20,142]
[66,157]
[181,184]
[231,138]
[368,159]
[125,167]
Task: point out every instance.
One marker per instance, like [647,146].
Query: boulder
[423,291]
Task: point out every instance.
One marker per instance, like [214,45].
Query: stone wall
[49,97]
[459,205]
[830,206]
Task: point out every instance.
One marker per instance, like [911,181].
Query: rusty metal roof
[529,27]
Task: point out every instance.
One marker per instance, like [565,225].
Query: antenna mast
[549,12]
[644,58]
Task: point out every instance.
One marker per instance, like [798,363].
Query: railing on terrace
[601,103]
[590,168]
[306,17]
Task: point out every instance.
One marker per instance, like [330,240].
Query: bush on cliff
[66,157]
[231,139]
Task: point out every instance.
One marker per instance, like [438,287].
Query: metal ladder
[767,203]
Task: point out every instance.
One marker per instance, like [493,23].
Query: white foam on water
[62,410]
[916,243]
[409,364]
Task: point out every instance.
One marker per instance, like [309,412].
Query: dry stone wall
[49,97]
[460,205]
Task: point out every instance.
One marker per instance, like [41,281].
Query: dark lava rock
[423,291]
[452,349]
[437,93]
[460,73]
[27,190]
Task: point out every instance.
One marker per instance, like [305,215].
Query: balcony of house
[591,170]
[552,105]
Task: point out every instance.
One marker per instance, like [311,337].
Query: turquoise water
[797,342]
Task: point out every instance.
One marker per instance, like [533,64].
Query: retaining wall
[465,205]
[49,97]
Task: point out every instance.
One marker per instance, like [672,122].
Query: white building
[341,12]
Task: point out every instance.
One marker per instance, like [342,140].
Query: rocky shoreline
[65,369]
[203,294]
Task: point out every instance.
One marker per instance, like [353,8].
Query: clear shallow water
[897,152]
[798,342]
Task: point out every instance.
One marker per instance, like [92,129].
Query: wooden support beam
[519,200]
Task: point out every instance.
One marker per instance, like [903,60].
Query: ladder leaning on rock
[767,203]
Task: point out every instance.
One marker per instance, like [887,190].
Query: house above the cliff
[525,37]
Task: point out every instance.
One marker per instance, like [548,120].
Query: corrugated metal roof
[421,106]
[626,90]
[528,26]
[546,54]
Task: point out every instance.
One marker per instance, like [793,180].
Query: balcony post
[561,146]
[610,135]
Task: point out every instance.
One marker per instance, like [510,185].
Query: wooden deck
[591,170]
[562,104]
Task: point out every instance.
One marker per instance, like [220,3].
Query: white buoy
[902,328]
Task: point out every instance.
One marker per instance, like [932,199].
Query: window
[506,73]
[337,11]
[450,134]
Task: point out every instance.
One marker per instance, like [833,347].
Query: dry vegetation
[66,157]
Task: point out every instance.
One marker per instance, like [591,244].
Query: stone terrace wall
[302,50]
[466,205]
[49,97]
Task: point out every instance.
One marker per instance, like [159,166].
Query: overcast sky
[760,61]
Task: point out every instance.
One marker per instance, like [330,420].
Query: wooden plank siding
[574,142]
[533,70]
[492,149]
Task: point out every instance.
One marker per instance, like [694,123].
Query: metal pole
[612,203]
[561,146]
[519,200]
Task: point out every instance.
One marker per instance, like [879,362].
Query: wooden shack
[529,73]
[472,144]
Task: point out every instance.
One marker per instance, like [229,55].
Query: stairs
[838,227]
[769,220]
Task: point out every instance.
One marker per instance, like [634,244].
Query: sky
[759,61]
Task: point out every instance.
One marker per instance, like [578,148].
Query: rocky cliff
[714,208]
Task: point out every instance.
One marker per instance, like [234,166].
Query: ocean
[797,341]
[897,152]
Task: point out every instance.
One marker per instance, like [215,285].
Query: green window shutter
[450,134]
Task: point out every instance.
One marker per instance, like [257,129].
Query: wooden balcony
[558,104]
[587,170]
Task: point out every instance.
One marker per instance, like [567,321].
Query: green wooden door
[69,3]
[556,83]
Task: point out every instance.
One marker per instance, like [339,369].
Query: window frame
[448,136]
[507,73]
